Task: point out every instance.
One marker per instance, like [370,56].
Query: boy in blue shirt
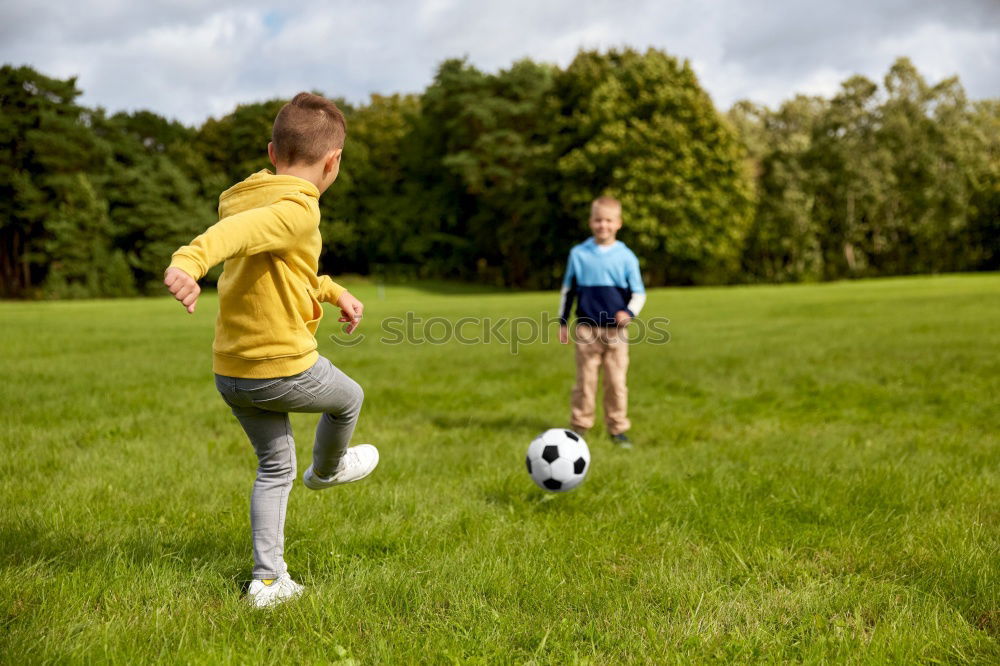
[603,276]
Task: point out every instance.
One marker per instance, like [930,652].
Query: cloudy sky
[190,59]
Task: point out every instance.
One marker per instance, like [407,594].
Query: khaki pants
[597,347]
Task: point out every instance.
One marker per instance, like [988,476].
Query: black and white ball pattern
[558,460]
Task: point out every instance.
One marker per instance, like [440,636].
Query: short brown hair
[306,129]
[606,201]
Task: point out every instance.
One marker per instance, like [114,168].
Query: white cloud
[940,51]
[192,58]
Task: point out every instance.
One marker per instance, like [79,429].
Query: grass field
[816,478]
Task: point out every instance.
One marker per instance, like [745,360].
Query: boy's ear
[270,153]
[332,160]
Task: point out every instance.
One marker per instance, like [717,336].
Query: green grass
[816,478]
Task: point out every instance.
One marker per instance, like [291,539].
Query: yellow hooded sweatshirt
[269,292]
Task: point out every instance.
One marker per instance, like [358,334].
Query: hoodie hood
[262,189]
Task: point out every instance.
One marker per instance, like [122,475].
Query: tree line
[487,177]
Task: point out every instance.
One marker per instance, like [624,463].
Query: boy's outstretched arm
[266,229]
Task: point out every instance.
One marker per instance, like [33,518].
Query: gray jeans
[262,406]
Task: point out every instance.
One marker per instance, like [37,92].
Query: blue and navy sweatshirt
[603,281]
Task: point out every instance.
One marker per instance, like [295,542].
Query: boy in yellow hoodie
[265,358]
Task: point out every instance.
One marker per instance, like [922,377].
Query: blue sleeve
[634,276]
[570,278]
[568,293]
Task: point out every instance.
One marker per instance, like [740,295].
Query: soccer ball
[558,460]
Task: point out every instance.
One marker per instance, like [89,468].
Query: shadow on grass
[520,495]
[31,547]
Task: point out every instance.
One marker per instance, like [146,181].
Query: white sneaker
[263,594]
[358,462]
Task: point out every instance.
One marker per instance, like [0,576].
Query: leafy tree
[982,141]
[442,205]
[236,144]
[81,260]
[923,221]
[368,214]
[155,186]
[639,126]
[784,239]
[176,142]
[894,176]
[848,168]
[45,139]
[489,177]
[495,146]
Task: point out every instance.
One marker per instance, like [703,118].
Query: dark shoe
[622,440]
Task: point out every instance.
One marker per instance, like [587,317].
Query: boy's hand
[622,318]
[183,287]
[564,334]
[350,311]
